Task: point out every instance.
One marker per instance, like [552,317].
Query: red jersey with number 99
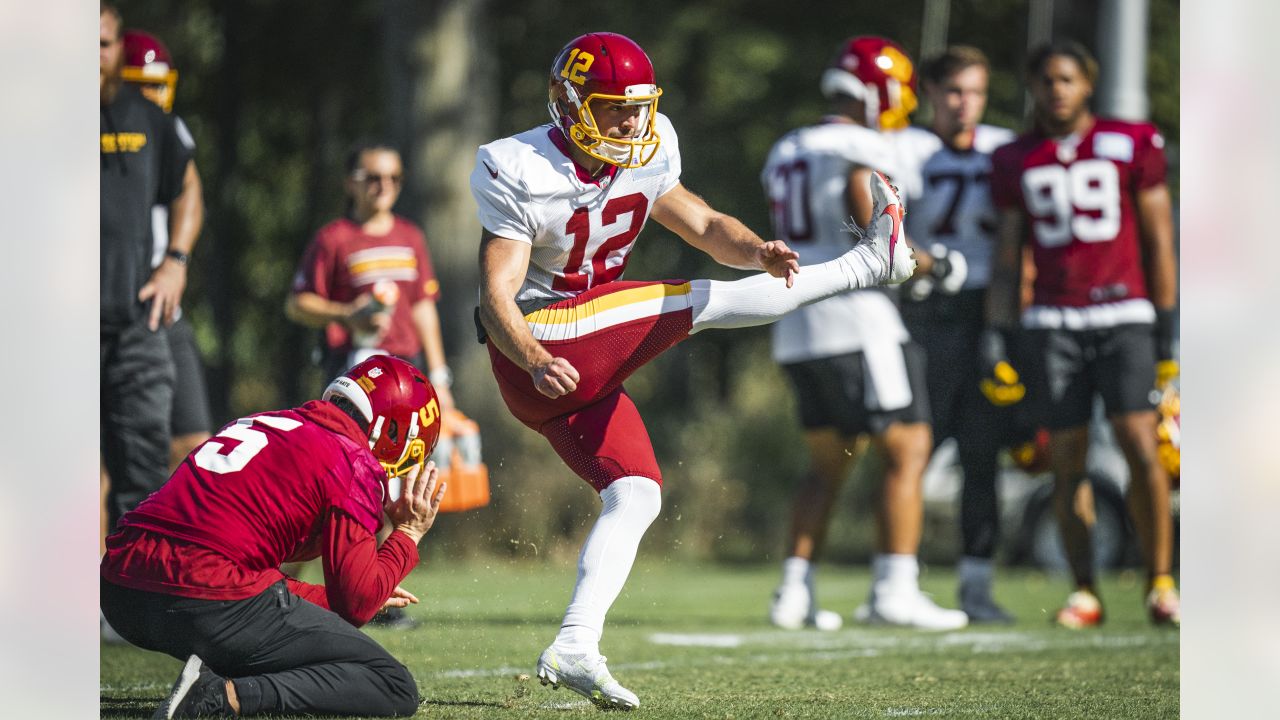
[259,491]
[1078,198]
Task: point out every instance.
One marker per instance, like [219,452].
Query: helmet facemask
[415,449]
[574,117]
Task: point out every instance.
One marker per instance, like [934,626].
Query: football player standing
[561,206]
[854,368]
[945,174]
[1088,194]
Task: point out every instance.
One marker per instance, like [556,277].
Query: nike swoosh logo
[894,211]
[492,173]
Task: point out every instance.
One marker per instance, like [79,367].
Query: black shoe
[978,604]
[198,693]
[394,619]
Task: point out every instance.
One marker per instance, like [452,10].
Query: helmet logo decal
[895,64]
[573,71]
[430,413]
[364,382]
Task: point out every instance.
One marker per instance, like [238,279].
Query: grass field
[692,642]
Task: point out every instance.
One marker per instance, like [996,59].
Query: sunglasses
[371,178]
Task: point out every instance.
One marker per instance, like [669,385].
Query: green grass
[487,622]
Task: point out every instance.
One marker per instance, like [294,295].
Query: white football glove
[949,269]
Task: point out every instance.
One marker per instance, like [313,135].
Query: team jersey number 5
[212,458]
[1081,200]
[578,275]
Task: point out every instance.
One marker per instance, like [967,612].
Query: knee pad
[638,497]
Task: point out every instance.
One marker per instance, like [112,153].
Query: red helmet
[612,67]
[398,404]
[147,62]
[877,71]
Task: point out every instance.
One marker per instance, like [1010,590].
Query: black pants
[190,412]
[949,328]
[285,655]
[136,387]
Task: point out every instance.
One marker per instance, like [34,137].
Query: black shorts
[1067,368]
[838,392]
[949,329]
[190,413]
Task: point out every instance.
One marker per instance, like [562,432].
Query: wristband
[441,376]
[178,256]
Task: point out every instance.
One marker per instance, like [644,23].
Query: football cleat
[197,693]
[911,609]
[1163,603]
[885,233]
[793,609]
[587,675]
[1083,609]
[977,603]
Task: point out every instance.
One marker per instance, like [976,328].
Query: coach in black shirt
[144,162]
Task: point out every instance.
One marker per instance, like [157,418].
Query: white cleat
[910,609]
[792,609]
[587,675]
[885,232]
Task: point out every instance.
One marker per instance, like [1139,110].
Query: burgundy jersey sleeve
[315,269]
[359,576]
[1149,162]
[1006,177]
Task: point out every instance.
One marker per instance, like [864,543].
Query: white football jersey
[528,189]
[806,179]
[948,194]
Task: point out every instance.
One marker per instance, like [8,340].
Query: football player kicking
[1089,195]
[854,368]
[561,207]
[945,175]
[193,570]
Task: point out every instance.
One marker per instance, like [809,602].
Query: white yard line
[800,646]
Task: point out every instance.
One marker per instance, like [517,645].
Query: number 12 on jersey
[578,274]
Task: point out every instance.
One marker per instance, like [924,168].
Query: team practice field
[693,641]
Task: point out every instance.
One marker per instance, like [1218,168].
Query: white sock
[761,299]
[976,571]
[895,573]
[630,505]
[797,571]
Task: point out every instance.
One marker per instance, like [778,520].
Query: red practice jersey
[270,488]
[343,262]
[1078,196]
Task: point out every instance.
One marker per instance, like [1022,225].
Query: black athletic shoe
[394,619]
[198,693]
[977,603]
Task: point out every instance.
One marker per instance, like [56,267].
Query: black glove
[1000,384]
[1167,368]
